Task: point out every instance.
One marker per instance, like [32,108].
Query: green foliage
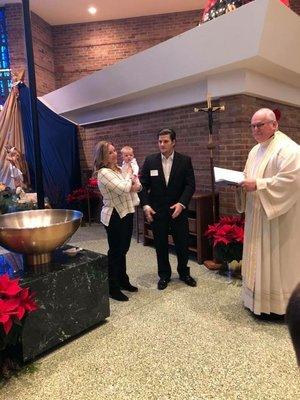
[9,202]
[5,200]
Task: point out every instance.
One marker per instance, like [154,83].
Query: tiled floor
[181,343]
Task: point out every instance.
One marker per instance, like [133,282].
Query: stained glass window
[5,74]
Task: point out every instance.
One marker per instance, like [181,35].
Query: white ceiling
[61,12]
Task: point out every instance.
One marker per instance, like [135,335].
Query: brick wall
[235,139]
[42,47]
[231,135]
[66,53]
[82,49]
[15,34]
[43,55]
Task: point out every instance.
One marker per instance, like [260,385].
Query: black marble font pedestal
[72,295]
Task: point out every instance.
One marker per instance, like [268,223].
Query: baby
[130,166]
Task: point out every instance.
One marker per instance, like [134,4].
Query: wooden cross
[211,146]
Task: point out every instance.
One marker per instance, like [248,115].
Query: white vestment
[271,254]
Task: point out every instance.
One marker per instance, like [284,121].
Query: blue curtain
[59,150]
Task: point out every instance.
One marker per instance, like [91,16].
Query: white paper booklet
[228,176]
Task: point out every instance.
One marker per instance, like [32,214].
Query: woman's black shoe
[118,295]
[129,287]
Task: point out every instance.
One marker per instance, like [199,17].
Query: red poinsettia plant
[15,303]
[93,182]
[227,237]
[77,195]
[81,195]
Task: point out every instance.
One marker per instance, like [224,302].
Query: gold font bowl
[37,233]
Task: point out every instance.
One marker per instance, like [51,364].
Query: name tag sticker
[153,172]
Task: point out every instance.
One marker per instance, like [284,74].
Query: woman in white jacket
[116,215]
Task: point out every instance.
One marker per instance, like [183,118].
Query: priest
[270,198]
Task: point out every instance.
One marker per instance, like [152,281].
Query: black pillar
[33,105]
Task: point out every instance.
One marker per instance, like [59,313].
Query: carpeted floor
[181,343]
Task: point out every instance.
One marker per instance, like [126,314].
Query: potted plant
[227,237]
[15,303]
[83,198]
[92,182]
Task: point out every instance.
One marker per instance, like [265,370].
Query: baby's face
[127,155]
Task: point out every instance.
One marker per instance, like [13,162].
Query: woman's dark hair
[167,131]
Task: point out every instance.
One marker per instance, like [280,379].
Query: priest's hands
[249,185]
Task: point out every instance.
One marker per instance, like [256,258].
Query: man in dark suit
[168,184]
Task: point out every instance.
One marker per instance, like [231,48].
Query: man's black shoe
[188,280]
[129,287]
[118,295]
[162,283]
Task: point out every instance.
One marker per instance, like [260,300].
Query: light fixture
[92,10]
